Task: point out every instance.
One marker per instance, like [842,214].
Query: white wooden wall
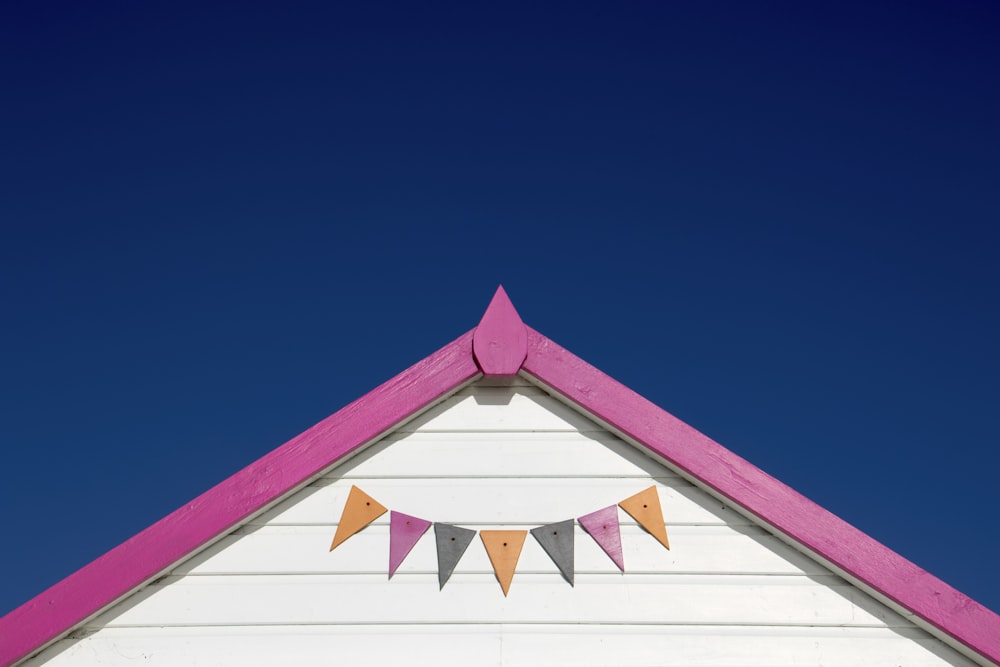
[727,593]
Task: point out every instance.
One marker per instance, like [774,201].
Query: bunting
[503,546]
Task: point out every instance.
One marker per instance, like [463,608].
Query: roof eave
[816,530]
[100,584]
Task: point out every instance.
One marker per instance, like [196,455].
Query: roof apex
[500,342]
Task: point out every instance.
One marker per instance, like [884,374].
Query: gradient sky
[220,224]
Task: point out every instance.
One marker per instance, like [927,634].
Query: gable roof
[500,346]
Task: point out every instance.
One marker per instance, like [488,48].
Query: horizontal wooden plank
[437,646]
[516,381]
[726,647]
[496,500]
[462,645]
[481,408]
[305,550]
[534,598]
[494,454]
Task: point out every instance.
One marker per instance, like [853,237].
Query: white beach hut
[501,430]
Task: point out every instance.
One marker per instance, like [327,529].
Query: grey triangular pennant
[557,540]
[452,542]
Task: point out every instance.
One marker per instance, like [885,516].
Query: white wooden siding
[507,644]
[728,593]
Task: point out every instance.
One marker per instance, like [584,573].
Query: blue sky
[221,224]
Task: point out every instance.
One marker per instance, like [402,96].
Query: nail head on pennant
[404,532]
[359,511]
[504,548]
[644,507]
[603,526]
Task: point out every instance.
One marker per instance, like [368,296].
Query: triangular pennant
[503,548]
[404,532]
[359,511]
[603,527]
[645,508]
[452,542]
[557,540]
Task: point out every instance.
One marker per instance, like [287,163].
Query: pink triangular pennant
[404,532]
[603,527]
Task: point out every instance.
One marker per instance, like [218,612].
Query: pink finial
[500,343]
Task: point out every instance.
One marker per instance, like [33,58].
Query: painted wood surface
[540,454]
[727,593]
[845,547]
[610,598]
[473,413]
[495,644]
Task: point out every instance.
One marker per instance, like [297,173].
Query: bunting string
[503,546]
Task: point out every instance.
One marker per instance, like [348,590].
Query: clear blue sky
[220,224]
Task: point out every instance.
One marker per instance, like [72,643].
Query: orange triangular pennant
[645,508]
[359,511]
[503,548]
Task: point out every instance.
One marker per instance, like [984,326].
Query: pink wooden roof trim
[818,530]
[144,556]
[500,342]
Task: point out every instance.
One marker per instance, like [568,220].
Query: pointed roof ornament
[500,342]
